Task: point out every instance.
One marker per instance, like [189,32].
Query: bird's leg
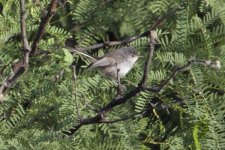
[119,87]
[118,77]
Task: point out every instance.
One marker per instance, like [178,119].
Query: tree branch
[22,65]
[25,44]
[43,24]
[157,23]
[13,77]
[153,37]
[26,47]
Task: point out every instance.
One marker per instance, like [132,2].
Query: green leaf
[68,57]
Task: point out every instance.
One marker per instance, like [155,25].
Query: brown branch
[13,77]
[157,23]
[98,119]
[25,44]
[23,64]
[148,61]
[82,122]
[142,113]
[26,47]
[43,24]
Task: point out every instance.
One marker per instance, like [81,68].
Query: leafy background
[46,101]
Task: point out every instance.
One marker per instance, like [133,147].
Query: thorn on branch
[91,107]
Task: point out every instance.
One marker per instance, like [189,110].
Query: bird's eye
[132,55]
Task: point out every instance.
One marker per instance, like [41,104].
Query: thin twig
[121,119]
[148,59]
[173,74]
[25,44]
[206,63]
[26,47]
[75,90]
[89,106]
[119,89]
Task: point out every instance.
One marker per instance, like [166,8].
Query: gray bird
[116,64]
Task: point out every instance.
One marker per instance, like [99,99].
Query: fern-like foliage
[51,97]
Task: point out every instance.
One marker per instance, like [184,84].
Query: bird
[116,64]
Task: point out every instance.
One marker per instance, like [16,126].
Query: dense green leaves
[51,97]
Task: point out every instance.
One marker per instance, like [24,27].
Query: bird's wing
[104,62]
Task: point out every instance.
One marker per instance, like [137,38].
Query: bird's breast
[124,67]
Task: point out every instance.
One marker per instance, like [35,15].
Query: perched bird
[116,64]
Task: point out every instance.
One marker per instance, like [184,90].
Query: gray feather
[104,62]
